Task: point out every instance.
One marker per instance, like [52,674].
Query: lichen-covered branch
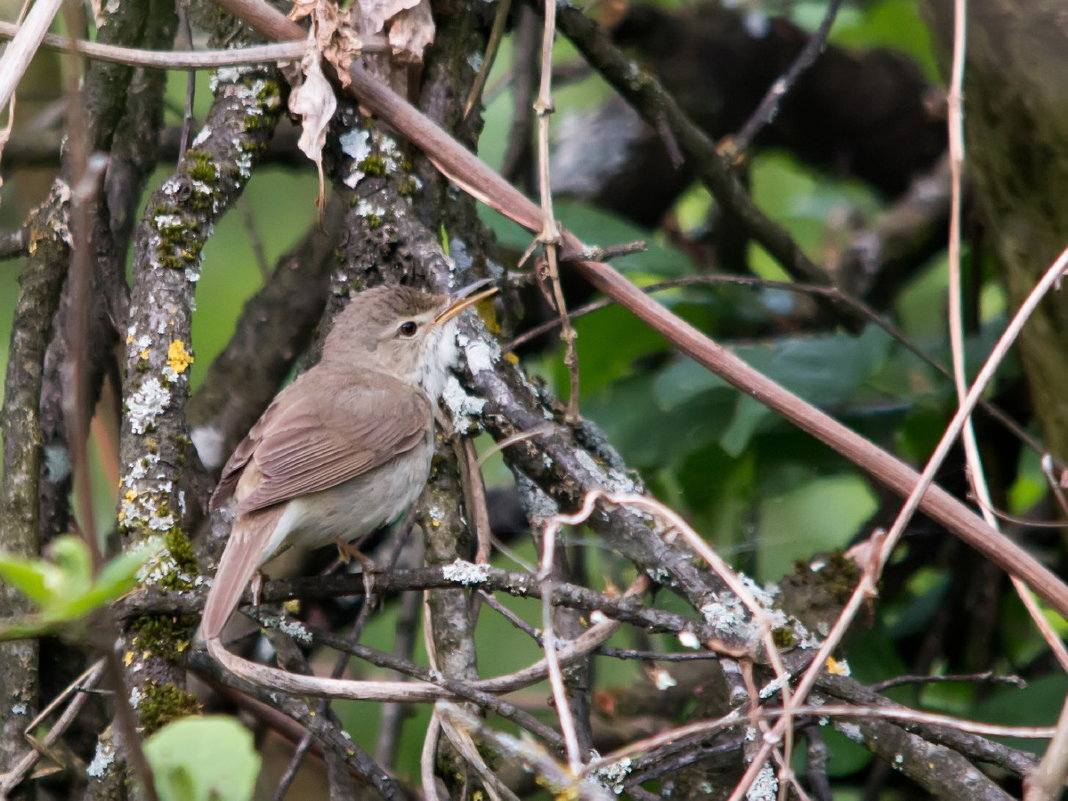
[40,286]
[154,442]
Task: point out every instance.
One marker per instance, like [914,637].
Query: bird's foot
[347,551]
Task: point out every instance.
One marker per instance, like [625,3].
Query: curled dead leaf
[314,102]
[411,32]
[409,24]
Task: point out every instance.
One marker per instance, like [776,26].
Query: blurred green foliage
[203,759]
[66,589]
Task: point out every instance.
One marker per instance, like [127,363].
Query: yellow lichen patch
[145,354]
[178,358]
[836,668]
[130,495]
[511,357]
[128,658]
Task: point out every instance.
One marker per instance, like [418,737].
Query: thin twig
[185,33]
[78,688]
[550,232]
[986,676]
[769,105]
[740,718]
[493,44]
[556,678]
[182,60]
[24,44]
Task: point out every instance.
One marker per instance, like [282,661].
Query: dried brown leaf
[375,13]
[411,32]
[409,23]
[337,40]
[314,102]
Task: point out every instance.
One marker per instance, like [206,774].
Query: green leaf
[825,370]
[203,759]
[118,575]
[26,576]
[71,556]
[64,589]
[748,415]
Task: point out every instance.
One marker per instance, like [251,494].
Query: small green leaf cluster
[64,588]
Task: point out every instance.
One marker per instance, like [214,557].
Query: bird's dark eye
[408,329]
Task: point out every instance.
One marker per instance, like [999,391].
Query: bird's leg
[347,551]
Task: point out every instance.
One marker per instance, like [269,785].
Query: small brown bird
[346,447]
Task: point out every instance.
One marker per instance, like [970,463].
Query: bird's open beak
[464,298]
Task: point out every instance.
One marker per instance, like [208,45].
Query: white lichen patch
[146,404]
[765,786]
[158,563]
[481,355]
[461,404]
[356,144]
[365,208]
[227,75]
[613,775]
[142,508]
[390,152]
[729,616]
[539,505]
[852,731]
[203,135]
[102,759]
[462,572]
[435,515]
[771,688]
[243,162]
[293,628]
[141,470]
[169,223]
[609,479]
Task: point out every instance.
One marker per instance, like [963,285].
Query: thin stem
[550,232]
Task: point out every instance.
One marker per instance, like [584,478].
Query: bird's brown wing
[324,435]
[231,471]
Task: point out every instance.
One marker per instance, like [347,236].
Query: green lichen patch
[783,637]
[181,550]
[161,703]
[165,636]
[200,166]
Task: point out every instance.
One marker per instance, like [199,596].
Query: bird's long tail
[243,555]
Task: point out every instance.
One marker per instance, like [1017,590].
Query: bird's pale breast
[356,507]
